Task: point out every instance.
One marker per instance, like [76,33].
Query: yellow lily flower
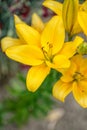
[36,23]
[73,14]
[74,79]
[44,51]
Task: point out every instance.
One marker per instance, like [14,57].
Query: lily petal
[36,76]
[54,6]
[53,34]
[9,42]
[17,20]
[76,28]
[67,74]
[77,59]
[59,61]
[83,68]
[69,48]
[28,34]
[83,86]
[29,55]
[37,23]
[61,90]
[80,93]
[82,19]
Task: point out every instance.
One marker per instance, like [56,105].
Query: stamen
[50,46]
[78,76]
[47,51]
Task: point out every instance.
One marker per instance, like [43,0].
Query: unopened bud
[70,12]
[82,49]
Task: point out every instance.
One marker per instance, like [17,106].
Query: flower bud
[70,11]
[82,49]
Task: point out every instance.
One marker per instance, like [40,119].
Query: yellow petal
[54,6]
[9,42]
[17,20]
[61,90]
[77,59]
[53,35]
[80,94]
[37,23]
[51,65]
[76,28]
[82,19]
[36,76]
[68,78]
[83,86]
[29,55]
[59,61]
[67,74]
[83,67]
[69,48]
[28,34]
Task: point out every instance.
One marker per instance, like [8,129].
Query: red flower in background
[25,10]
[46,12]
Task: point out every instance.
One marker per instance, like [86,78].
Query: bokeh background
[19,108]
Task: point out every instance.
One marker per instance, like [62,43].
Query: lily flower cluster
[44,47]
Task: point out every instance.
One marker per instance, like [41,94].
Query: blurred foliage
[8,69]
[7,9]
[21,104]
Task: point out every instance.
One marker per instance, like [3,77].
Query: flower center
[47,51]
[78,76]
